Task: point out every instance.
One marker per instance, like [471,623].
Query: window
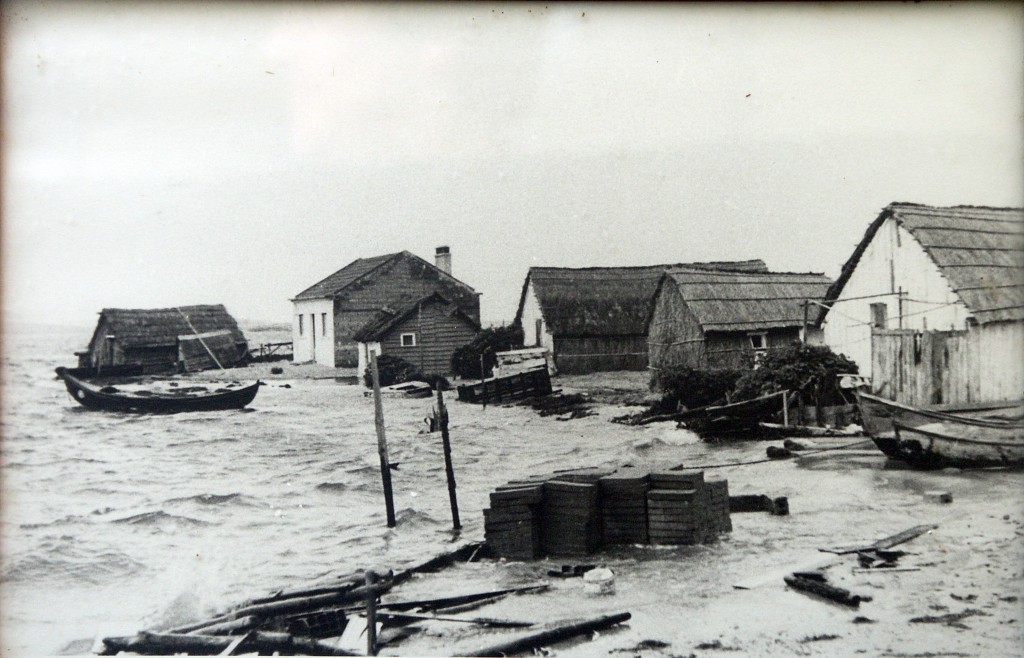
[323,324]
[758,341]
[300,325]
[878,313]
[408,340]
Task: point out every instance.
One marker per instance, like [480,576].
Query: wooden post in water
[442,421]
[382,442]
[483,382]
[371,614]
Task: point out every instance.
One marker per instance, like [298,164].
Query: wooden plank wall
[943,367]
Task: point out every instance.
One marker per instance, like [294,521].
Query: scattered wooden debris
[558,634]
[938,496]
[887,542]
[953,619]
[166,644]
[821,588]
[778,506]
[571,570]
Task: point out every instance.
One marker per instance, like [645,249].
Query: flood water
[113,523]
[117,522]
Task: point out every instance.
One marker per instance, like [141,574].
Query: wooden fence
[943,367]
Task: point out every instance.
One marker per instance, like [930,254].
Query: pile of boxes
[575,513]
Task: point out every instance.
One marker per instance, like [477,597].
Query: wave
[67,560]
[159,517]
[217,499]
[408,516]
[332,486]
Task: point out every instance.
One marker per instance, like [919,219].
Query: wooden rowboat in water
[989,434]
[109,398]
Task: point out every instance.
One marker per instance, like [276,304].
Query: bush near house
[812,369]
[396,370]
[689,388]
[466,359]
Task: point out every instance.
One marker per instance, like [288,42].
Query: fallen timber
[819,586]
[559,634]
[162,644]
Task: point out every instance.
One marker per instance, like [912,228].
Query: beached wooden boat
[982,434]
[109,398]
[948,443]
[518,385]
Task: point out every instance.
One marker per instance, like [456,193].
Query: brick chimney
[443,259]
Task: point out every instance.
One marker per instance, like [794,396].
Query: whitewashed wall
[531,313]
[364,355]
[306,346]
[892,260]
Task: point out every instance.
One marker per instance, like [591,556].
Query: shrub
[692,388]
[810,368]
[392,370]
[466,359]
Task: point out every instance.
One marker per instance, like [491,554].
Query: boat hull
[938,437]
[940,445]
[93,398]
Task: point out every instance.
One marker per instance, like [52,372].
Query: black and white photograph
[641,330]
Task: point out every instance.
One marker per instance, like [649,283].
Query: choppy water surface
[116,521]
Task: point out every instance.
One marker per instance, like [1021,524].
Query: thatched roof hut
[923,270]
[595,318]
[150,337]
[979,250]
[716,319]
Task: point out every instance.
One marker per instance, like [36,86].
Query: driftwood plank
[449,601]
[560,634]
[887,542]
[150,644]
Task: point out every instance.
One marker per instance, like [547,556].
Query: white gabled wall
[317,316]
[364,355]
[893,259]
[531,314]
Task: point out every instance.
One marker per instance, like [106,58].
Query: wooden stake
[803,338]
[483,383]
[442,420]
[785,408]
[382,442]
[371,614]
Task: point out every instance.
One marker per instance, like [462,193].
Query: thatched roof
[736,301]
[160,327]
[380,326]
[979,250]
[605,301]
[357,270]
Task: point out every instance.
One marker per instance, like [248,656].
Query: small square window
[408,340]
[758,341]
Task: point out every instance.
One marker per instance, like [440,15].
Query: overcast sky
[167,154]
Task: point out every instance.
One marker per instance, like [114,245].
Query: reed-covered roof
[979,250]
[160,327]
[747,301]
[605,301]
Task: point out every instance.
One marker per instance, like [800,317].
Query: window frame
[411,335]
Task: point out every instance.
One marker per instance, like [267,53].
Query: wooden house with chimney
[366,296]
[162,339]
[930,304]
[706,319]
[595,318]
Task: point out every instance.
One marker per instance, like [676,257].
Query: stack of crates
[570,518]
[718,503]
[624,506]
[512,523]
[678,508]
